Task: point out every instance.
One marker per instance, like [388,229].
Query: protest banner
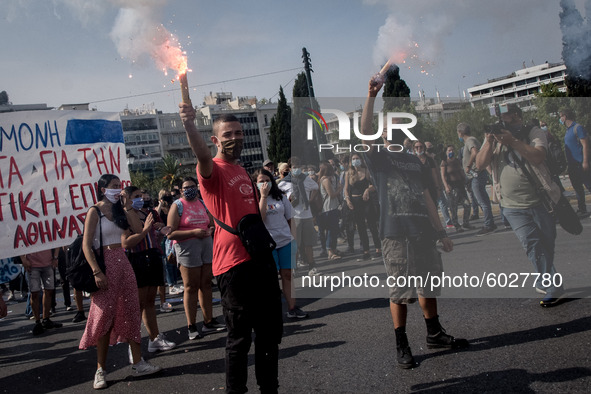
[50,162]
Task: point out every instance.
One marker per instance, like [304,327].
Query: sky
[98,51]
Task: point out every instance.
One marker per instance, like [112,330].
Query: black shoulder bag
[252,232]
[78,271]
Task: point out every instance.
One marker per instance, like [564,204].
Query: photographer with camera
[478,176]
[516,155]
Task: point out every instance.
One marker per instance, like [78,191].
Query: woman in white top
[276,212]
[114,314]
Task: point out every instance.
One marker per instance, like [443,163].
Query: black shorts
[148,268]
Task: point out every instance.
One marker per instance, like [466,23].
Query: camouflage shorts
[409,264]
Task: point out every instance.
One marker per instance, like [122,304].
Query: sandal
[334,256]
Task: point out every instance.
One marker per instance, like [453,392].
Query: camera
[494,128]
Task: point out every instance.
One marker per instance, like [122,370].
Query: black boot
[404,355]
[438,339]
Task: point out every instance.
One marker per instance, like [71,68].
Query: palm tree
[170,170]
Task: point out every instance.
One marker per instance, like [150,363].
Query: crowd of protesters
[147,247]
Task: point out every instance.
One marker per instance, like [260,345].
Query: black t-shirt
[400,181]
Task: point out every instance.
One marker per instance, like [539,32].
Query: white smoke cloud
[136,33]
[575,36]
[419,28]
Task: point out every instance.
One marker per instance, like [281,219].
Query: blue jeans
[479,188]
[536,230]
[444,207]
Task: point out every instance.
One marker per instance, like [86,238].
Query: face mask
[296,171]
[260,185]
[356,162]
[342,167]
[147,204]
[450,155]
[112,195]
[286,173]
[190,193]
[420,153]
[561,121]
[461,139]
[545,128]
[430,150]
[312,173]
[232,148]
[137,203]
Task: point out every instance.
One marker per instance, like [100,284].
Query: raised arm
[484,156]
[375,84]
[196,141]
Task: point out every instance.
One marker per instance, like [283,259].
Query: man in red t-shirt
[249,289]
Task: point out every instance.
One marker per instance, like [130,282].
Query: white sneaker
[130,355]
[174,290]
[99,379]
[166,307]
[160,343]
[313,272]
[144,368]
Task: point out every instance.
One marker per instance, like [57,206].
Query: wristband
[96,273]
[441,234]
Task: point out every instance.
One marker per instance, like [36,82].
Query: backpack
[555,157]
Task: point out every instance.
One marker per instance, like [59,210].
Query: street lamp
[130,159]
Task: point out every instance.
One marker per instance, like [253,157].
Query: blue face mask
[137,203]
[450,155]
[356,162]
[461,139]
[296,171]
[561,121]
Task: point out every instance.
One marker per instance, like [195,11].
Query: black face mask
[147,204]
[167,199]
[430,150]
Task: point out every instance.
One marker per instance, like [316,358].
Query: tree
[396,95]
[3,97]
[143,181]
[170,171]
[550,101]
[279,149]
[395,87]
[305,149]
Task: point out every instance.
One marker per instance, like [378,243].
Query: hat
[267,162]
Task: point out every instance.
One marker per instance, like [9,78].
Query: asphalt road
[347,345]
